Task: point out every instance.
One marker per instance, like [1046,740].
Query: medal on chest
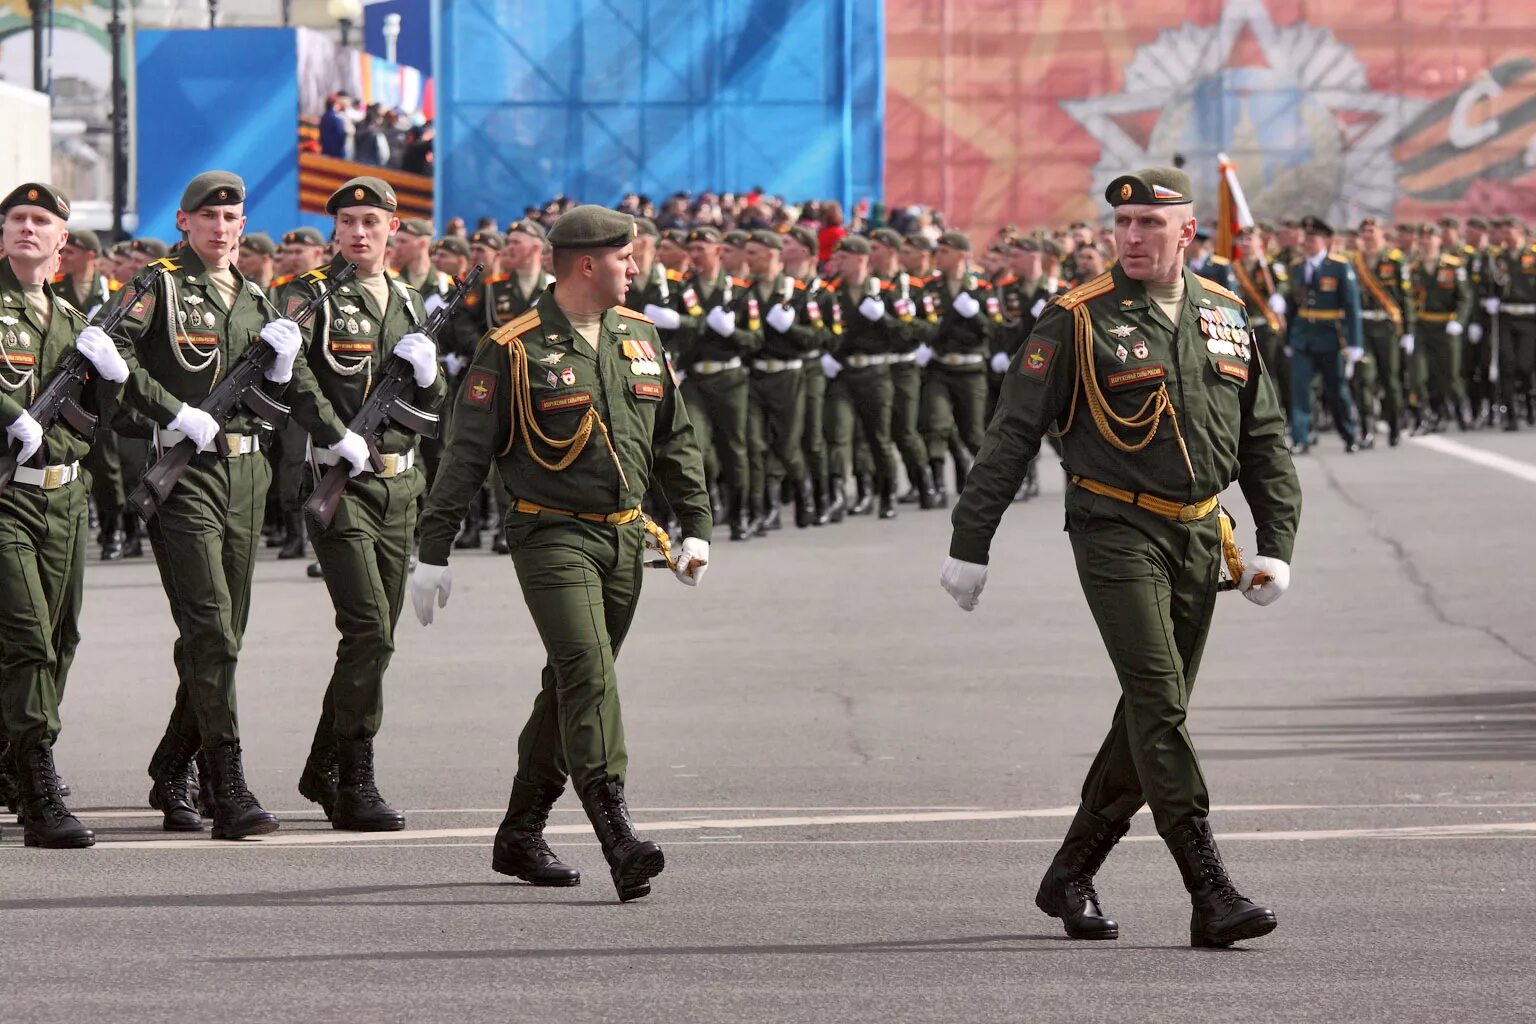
[643,360]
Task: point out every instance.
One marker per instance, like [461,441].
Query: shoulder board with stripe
[887,286]
[516,328]
[278,282]
[1101,285]
[1216,289]
[1220,261]
[57,279]
[1004,282]
[167,263]
[799,286]
[983,284]
[113,284]
[317,275]
[1340,260]
[835,283]
[673,275]
[741,282]
[1449,260]
[630,314]
[1395,254]
[68,307]
[497,278]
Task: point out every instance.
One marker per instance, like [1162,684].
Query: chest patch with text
[572,400]
[1125,378]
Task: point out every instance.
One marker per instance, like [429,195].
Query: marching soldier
[184,336]
[576,404]
[256,259]
[1323,331]
[514,291]
[1143,517]
[1442,306]
[1262,283]
[798,250]
[1387,324]
[43,511]
[909,354]
[411,259]
[365,553]
[1513,308]
[1478,363]
[302,249]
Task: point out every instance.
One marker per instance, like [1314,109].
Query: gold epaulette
[834,284]
[1395,254]
[1101,285]
[1342,261]
[1220,261]
[113,284]
[516,327]
[1449,260]
[630,314]
[1216,289]
[673,275]
[741,282]
[314,276]
[67,306]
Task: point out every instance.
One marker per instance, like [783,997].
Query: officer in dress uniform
[908,353]
[1150,377]
[1387,322]
[1442,300]
[1323,332]
[798,249]
[1513,304]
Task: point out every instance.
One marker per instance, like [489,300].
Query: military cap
[259,242]
[1051,248]
[1427,228]
[363,190]
[704,233]
[303,236]
[1028,244]
[1477,222]
[212,188]
[677,236]
[737,239]
[418,227]
[152,246]
[955,240]
[1370,222]
[804,236]
[122,248]
[488,238]
[1150,186]
[1316,226]
[85,238]
[887,237]
[1502,222]
[36,193]
[646,226]
[1449,222]
[592,227]
[769,238]
[856,244]
[527,227]
[453,243]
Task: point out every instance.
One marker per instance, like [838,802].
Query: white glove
[1406,342]
[97,346]
[1268,592]
[433,303]
[429,583]
[1475,333]
[1288,352]
[722,321]
[421,352]
[454,364]
[1277,304]
[780,317]
[924,355]
[966,305]
[1454,328]
[29,432]
[354,449]
[692,560]
[197,425]
[964,581]
[285,338]
[661,316]
[1037,308]
[1000,362]
[872,308]
[1491,304]
[1352,356]
[830,367]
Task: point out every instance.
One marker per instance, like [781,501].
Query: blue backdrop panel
[600,97]
[220,99]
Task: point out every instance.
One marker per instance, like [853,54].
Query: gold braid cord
[526,425]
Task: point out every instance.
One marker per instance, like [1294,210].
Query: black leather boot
[499,542]
[133,537]
[1221,914]
[520,849]
[888,500]
[928,491]
[632,861]
[1067,891]
[936,471]
[10,784]
[837,501]
[741,517]
[773,511]
[963,464]
[111,543]
[359,807]
[45,820]
[865,499]
[202,794]
[236,812]
[175,792]
[317,782]
[469,535]
[293,545]
[807,508]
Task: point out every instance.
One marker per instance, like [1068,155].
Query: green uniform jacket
[173,333]
[639,404]
[1227,410]
[88,299]
[660,287]
[1445,289]
[29,353]
[1515,275]
[699,340]
[958,335]
[1390,272]
[1255,281]
[915,306]
[860,335]
[1019,304]
[345,346]
[803,336]
[1218,269]
[504,298]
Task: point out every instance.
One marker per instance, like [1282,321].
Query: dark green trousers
[581,583]
[1151,585]
[42,583]
[288,467]
[870,394]
[1378,375]
[106,479]
[724,400]
[777,420]
[205,539]
[955,405]
[1439,357]
[906,413]
[365,557]
[813,439]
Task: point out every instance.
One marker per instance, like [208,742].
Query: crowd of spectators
[374,135]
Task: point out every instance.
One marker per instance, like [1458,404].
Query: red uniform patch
[555,403]
[1038,356]
[1233,369]
[479,388]
[649,389]
[1140,373]
[294,305]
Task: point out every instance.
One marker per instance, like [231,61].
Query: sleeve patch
[294,305]
[649,389]
[142,306]
[555,403]
[1233,369]
[479,388]
[1135,376]
[1037,358]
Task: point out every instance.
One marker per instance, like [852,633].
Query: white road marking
[313,813]
[1492,460]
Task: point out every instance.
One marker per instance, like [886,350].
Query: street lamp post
[115,29]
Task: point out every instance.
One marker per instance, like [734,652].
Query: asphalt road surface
[857,787]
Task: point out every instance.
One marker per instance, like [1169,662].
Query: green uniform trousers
[1379,373]
[813,439]
[43,536]
[365,557]
[906,413]
[864,400]
[724,400]
[1439,358]
[581,582]
[106,479]
[776,422]
[1271,345]
[955,407]
[288,467]
[1517,356]
[205,539]
[1151,585]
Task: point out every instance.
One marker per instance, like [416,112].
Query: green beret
[363,191]
[856,244]
[527,227]
[1316,226]
[886,237]
[84,238]
[736,238]
[704,234]
[804,236]
[1151,186]
[1477,222]
[122,248]
[304,236]
[919,241]
[259,242]
[955,240]
[769,238]
[1051,248]
[677,236]
[646,226]
[488,238]
[1449,222]
[1028,244]
[417,227]
[36,193]
[152,246]
[592,227]
[212,188]
[453,243]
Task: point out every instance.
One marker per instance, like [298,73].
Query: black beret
[84,238]
[704,233]
[488,238]
[36,193]
[1316,226]
[453,243]
[259,242]
[418,227]
[886,237]
[592,227]
[304,236]
[856,244]
[769,238]
[955,240]
[1151,186]
[363,191]
[213,188]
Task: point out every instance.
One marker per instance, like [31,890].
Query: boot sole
[369,826]
[502,868]
[1260,924]
[633,878]
[79,843]
[259,828]
[171,826]
[1111,933]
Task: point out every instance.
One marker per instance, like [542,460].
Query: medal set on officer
[643,360]
[349,322]
[194,317]
[1225,330]
[13,337]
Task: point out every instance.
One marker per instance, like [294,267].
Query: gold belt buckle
[233,442]
[1189,513]
[391,465]
[53,476]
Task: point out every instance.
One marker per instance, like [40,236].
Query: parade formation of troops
[607,390]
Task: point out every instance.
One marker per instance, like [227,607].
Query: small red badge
[479,388]
[1038,356]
